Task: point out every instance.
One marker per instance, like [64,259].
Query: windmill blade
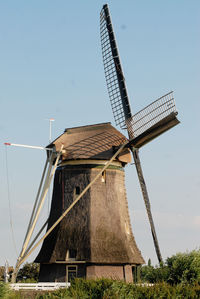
[158,112]
[153,120]
[147,203]
[120,103]
[113,71]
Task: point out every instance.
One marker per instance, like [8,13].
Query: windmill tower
[95,239]
[89,233]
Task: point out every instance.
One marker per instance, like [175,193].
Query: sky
[51,67]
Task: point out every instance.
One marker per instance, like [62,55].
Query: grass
[108,289]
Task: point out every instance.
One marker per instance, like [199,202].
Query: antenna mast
[50,128]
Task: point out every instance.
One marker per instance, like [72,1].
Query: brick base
[108,271]
[58,272]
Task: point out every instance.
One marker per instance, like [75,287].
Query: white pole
[36,237]
[29,146]
[41,201]
[50,128]
[50,139]
[6,275]
[50,131]
[37,198]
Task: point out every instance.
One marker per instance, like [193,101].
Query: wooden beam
[156,130]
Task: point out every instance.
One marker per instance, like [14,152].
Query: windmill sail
[120,102]
[113,71]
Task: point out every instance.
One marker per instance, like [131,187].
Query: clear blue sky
[51,66]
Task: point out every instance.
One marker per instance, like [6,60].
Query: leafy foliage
[4,290]
[2,270]
[184,267]
[108,289]
[111,289]
[180,268]
[28,273]
[178,277]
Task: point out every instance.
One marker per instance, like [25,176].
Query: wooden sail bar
[151,115]
[156,130]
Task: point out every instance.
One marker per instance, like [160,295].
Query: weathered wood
[147,202]
[159,128]
[91,142]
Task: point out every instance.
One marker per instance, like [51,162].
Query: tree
[180,268]
[30,271]
[184,267]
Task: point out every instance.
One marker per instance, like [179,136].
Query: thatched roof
[95,142]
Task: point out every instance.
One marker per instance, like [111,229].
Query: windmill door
[71,272]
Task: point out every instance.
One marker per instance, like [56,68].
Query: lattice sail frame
[145,118]
[151,114]
[113,71]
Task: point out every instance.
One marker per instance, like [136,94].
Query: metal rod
[35,212]
[36,237]
[28,146]
[43,196]
[36,200]
[50,128]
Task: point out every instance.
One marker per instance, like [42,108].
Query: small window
[77,191]
[71,272]
[71,254]
[103,176]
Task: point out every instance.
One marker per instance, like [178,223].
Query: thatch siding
[112,240]
[73,231]
[98,227]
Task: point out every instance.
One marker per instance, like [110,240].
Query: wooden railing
[42,286]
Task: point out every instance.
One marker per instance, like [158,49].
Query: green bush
[180,268]
[177,278]
[154,274]
[108,289]
[184,267]
[81,288]
[28,273]
[4,290]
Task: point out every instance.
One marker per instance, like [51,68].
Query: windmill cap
[97,141]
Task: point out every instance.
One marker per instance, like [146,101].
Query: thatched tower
[95,239]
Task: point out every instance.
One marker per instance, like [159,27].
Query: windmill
[160,111]
[89,232]
[88,229]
